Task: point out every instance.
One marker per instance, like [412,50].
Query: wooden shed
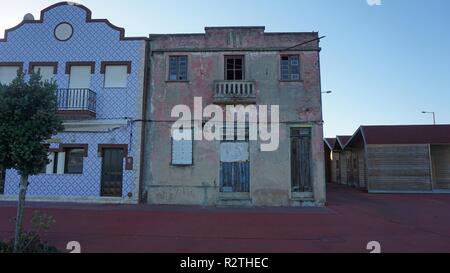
[404,158]
[329,147]
[336,159]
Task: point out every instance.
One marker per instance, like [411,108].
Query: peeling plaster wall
[300,105]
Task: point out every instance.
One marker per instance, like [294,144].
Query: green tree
[27,119]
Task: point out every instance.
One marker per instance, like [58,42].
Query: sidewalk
[401,223]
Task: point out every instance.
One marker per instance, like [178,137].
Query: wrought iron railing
[76,100]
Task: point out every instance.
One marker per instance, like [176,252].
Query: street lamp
[327,92]
[434,115]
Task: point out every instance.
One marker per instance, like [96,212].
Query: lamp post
[434,115]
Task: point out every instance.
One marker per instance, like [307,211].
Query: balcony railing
[234,92]
[76,103]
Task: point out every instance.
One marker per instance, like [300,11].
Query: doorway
[112,172]
[2,180]
[301,157]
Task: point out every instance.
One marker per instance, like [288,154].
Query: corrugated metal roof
[406,134]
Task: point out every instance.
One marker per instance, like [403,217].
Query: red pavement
[401,223]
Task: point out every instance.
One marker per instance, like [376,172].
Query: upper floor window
[178,66]
[234,68]
[290,68]
[80,74]
[116,74]
[47,70]
[8,72]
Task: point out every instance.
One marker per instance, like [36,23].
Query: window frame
[289,56]
[169,68]
[229,57]
[67,157]
[12,64]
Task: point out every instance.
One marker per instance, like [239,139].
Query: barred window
[178,68]
[290,68]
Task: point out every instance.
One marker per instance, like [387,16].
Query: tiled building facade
[100,77]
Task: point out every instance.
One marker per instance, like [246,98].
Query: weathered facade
[231,66]
[100,77]
[400,158]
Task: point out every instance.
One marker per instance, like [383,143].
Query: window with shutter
[47,72]
[116,76]
[8,74]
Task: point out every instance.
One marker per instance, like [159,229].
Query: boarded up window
[8,74]
[178,66]
[290,68]
[116,76]
[182,147]
[301,160]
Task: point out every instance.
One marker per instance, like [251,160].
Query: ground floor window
[301,151]
[74,161]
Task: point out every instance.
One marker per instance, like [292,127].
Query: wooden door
[356,180]
[2,180]
[301,160]
[234,167]
[235,176]
[440,156]
[112,172]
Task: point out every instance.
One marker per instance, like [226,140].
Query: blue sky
[384,64]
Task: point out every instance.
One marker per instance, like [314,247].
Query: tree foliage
[27,119]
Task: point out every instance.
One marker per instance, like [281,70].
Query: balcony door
[234,68]
[79,83]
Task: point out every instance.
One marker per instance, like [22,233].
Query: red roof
[343,140]
[330,142]
[406,134]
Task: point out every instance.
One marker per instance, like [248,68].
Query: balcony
[76,103]
[232,92]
